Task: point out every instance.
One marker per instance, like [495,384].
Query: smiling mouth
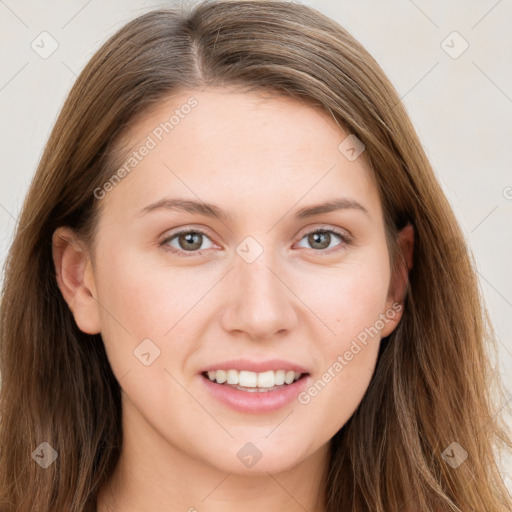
[254,382]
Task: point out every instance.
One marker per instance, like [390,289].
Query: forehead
[223,145]
[250,117]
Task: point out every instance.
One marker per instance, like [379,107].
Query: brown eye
[319,240]
[190,241]
[322,239]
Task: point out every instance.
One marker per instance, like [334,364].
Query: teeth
[289,377]
[232,377]
[247,379]
[268,379]
[279,377]
[221,376]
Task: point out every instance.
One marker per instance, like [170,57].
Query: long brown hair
[434,380]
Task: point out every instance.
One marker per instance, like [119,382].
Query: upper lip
[252,365]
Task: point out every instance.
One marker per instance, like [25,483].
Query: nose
[261,304]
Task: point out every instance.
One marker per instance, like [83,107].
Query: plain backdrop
[451,63]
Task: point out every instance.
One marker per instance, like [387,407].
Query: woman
[234,284]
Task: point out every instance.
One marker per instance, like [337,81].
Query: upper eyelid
[340,232]
[337,230]
[166,237]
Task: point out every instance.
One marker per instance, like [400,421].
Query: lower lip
[257,402]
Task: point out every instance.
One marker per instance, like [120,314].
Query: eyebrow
[210,210]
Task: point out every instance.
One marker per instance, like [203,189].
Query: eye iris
[316,238]
[190,238]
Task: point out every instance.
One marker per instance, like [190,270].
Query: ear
[75,278]
[399,283]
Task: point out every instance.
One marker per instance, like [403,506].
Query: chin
[246,458]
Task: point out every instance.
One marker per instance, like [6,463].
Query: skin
[260,159]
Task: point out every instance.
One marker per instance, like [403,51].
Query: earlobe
[75,278]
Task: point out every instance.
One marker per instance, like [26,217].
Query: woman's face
[269,280]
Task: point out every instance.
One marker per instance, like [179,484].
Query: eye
[186,241]
[321,239]
[189,242]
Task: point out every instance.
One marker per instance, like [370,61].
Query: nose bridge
[253,259]
[261,305]
[256,278]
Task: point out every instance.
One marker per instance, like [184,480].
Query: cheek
[347,299]
[349,360]
[135,306]
[147,299]
[350,303]
[151,301]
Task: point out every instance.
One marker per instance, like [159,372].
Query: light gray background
[461,107]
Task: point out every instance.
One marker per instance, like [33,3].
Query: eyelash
[346,240]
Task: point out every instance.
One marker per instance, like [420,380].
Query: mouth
[255,387]
[254,382]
